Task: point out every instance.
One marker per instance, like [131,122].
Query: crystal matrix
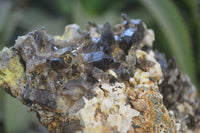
[102,79]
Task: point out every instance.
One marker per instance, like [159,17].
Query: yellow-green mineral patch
[13,70]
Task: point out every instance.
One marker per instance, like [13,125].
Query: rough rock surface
[103,79]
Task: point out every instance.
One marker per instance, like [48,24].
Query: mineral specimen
[104,79]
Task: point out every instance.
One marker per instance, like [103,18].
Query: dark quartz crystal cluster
[180,94]
[75,61]
[70,67]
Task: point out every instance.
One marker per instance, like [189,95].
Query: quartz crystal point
[100,80]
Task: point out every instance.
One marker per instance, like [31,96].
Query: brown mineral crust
[55,123]
[153,115]
[104,79]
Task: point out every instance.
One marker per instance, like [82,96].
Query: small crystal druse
[103,79]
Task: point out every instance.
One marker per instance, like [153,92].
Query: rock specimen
[103,79]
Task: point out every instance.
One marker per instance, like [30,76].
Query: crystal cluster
[102,79]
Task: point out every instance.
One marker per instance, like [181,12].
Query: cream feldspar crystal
[112,110]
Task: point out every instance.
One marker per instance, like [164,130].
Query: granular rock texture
[100,80]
